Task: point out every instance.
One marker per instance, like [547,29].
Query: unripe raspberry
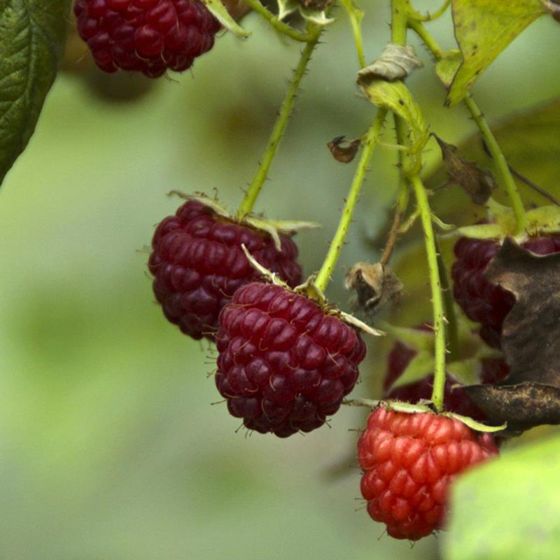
[148,36]
[284,363]
[409,462]
[482,301]
[198,263]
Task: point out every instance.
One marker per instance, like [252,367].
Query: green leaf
[420,367]
[31,44]
[483,29]
[447,67]
[219,11]
[509,508]
[396,97]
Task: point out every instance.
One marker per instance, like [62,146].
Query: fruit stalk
[504,172]
[337,242]
[355,16]
[502,168]
[436,289]
[280,125]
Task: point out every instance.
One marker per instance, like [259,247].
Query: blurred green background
[111,449]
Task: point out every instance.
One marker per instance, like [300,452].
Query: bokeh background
[111,448]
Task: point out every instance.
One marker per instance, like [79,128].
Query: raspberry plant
[287,356]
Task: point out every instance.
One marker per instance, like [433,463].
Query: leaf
[447,66]
[419,367]
[32,36]
[507,509]
[476,182]
[220,12]
[530,394]
[483,29]
[396,97]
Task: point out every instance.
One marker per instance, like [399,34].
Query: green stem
[436,289]
[400,10]
[355,16]
[280,26]
[337,243]
[502,168]
[431,16]
[426,38]
[280,125]
[449,306]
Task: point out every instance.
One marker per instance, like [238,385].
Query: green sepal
[220,12]
[317,17]
[473,424]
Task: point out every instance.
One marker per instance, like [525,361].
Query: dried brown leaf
[477,182]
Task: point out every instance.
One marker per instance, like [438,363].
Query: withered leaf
[477,182]
[375,285]
[530,395]
[521,406]
[344,150]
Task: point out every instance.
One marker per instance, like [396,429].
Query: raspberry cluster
[409,462]
[148,36]
[482,301]
[284,363]
[198,263]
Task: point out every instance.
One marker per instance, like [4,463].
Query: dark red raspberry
[284,363]
[482,301]
[409,462]
[455,398]
[198,263]
[148,36]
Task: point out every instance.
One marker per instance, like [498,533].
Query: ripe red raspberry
[482,301]
[284,363]
[198,263]
[148,36]
[409,462]
[455,398]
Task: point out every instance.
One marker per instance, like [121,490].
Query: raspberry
[482,301]
[409,462]
[284,363]
[198,263]
[148,36]
[455,398]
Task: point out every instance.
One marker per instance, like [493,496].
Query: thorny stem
[400,10]
[355,16]
[280,125]
[280,26]
[431,16]
[449,306]
[500,161]
[502,168]
[436,289]
[337,243]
